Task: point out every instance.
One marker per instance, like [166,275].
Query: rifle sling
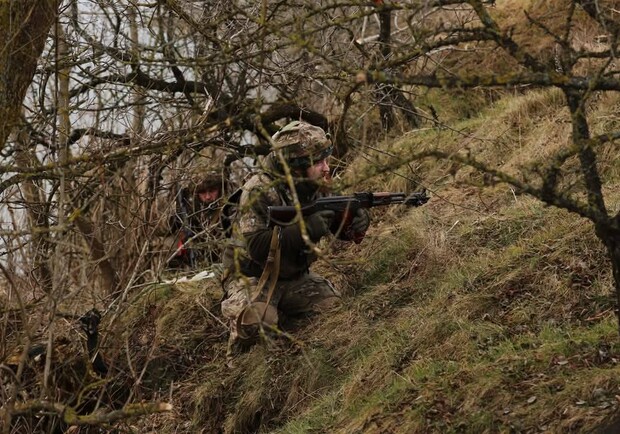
[258,311]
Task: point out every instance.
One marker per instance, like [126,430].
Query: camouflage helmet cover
[303,143]
[206,181]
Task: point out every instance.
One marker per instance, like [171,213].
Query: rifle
[345,208]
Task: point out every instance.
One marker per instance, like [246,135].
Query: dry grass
[482,311]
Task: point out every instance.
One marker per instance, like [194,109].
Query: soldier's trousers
[310,293]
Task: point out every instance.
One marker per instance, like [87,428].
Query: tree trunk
[37,212]
[98,254]
[587,157]
[391,97]
[604,226]
[611,239]
[24,26]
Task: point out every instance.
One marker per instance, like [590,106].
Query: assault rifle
[345,208]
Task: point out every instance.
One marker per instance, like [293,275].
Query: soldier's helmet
[302,144]
[206,181]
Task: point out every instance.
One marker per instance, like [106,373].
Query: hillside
[483,311]
[490,309]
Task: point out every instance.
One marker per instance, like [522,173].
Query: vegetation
[493,308]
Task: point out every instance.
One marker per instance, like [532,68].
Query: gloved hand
[318,224]
[360,222]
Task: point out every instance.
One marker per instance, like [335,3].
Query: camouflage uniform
[189,227]
[297,290]
[199,223]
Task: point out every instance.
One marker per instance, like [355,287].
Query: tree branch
[70,416]
[606,20]
[139,78]
[543,79]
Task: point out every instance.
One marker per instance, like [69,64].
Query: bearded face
[209,195]
[319,171]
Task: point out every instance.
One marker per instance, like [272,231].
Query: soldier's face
[208,196]
[319,171]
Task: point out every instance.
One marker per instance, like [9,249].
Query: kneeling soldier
[267,268]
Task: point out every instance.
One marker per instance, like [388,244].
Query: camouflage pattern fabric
[252,221]
[310,293]
[257,194]
[239,171]
[299,292]
[301,139]
[172,226]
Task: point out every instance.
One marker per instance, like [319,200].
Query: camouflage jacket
[248,246]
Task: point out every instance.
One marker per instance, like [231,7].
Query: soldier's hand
[318,224]
[361,221]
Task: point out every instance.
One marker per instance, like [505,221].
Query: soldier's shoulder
[260,188]
[258,180]
[258,185]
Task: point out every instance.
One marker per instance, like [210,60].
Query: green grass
[391,253]
[461,347]
[479,312]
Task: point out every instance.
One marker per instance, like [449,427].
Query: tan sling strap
[261,311]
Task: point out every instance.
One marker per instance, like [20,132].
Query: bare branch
[541,79]
[70,416]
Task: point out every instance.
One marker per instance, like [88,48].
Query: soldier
[192,227]
[266,270]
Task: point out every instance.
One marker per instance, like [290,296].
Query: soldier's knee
[256,316]
[328,304]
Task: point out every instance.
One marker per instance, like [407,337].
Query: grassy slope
[492,320]
[481,312]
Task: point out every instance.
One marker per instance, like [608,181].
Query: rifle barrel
[386,198]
